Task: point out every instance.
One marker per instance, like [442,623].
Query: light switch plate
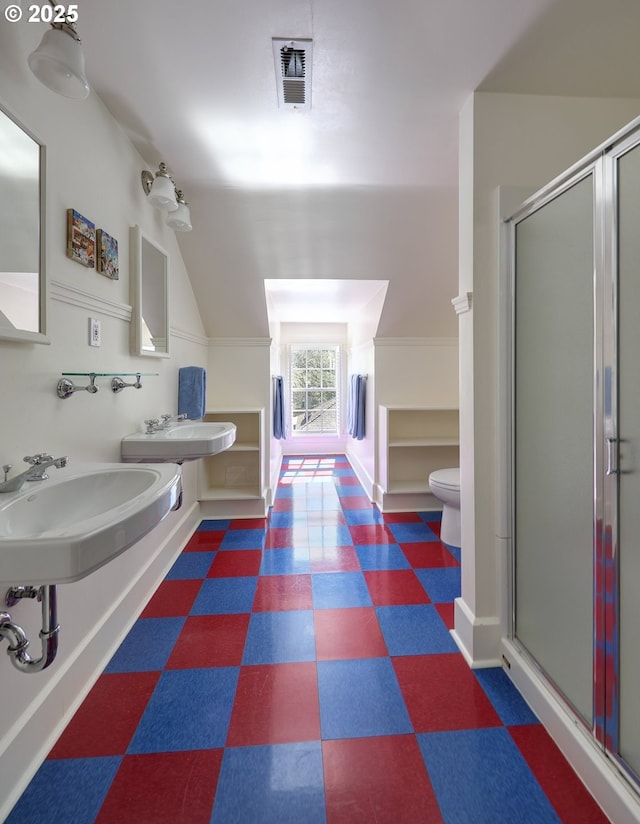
[95,334]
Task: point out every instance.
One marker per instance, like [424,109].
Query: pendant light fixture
[58,62]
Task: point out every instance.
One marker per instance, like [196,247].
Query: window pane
[298,378]
[300,358]
[298,399]
[313,378]
[328,358]
[328,378]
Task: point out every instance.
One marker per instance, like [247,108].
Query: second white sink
[182,441]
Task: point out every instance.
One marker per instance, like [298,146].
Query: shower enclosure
[574,389]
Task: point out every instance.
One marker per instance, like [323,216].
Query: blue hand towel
[192,392]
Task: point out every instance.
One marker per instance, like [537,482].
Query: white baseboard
[477,638]
[366,481]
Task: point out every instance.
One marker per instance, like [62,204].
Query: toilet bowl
[445,485]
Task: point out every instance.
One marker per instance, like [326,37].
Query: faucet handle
[34,460]
[6,468]
[166,418]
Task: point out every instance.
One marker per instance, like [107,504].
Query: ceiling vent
[293,72]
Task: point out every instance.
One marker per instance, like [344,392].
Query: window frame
[336,350]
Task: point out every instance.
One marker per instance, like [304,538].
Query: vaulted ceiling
[363,186]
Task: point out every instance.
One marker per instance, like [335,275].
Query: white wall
[93,168]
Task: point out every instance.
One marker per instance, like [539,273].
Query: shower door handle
[612,466]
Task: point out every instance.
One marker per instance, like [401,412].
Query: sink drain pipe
[16,636]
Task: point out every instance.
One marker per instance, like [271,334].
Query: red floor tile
[347,480]
[401,518]
[435,526]
[106,720]
[429,554]
[210,641]
[356,502]
[248,523]
[442,693]
[205,540]
[565,791]
[371,534]
[380,779]
[237,562]
[348,633]
[163,788]
[275,704]
[395,587]
[446,612]
[283,592]
[334,559]
[283,505]
[172,599]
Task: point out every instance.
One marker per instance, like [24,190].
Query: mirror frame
[12,333]
[137,236]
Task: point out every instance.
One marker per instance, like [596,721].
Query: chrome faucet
[37,471]
[169,419]
[154,425]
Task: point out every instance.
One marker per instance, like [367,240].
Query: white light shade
[180,220]
[163,194]
[58,63]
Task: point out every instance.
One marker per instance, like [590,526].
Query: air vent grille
[292,60]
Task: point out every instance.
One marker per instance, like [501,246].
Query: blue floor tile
[330,535]
[147,646]
[66,790]
[381,556]
[416,629]
[507,701]
[280,638]
[244,539]
[442,585]
[285,561]
[340,589]
[213,526]
[360,698]
[410,533]
[224,596]
[493,784]
[271,785]
[190,565]
[189,710]
[356,517]
[287,519]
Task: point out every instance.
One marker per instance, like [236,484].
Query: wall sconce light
[58,62]
[162,193]
[180,220]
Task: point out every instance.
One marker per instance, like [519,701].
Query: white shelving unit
[232,484]
[413,442]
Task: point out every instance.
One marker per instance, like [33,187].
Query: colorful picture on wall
[107,257]
[81,239]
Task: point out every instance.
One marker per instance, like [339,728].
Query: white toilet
[445,485]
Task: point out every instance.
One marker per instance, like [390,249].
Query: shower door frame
[596,749]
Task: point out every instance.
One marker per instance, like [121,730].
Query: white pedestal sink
[178,442]
[60,530]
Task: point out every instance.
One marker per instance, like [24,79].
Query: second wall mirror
[149,296]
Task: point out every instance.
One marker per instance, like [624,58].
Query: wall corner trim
[462,303]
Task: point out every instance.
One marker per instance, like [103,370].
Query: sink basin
[60,530]
[182,441]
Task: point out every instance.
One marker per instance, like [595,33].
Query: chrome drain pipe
[16,636]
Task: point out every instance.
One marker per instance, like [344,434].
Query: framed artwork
[107,255]
[81,239]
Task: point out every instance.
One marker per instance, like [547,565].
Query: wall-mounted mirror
[22,272]
[150,289]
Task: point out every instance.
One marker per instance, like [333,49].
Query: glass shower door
[624,738]
[553,444]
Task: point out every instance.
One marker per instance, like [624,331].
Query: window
[314,389]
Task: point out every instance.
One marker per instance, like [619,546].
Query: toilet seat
[446,478]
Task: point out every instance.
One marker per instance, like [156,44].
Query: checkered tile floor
[300,669]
